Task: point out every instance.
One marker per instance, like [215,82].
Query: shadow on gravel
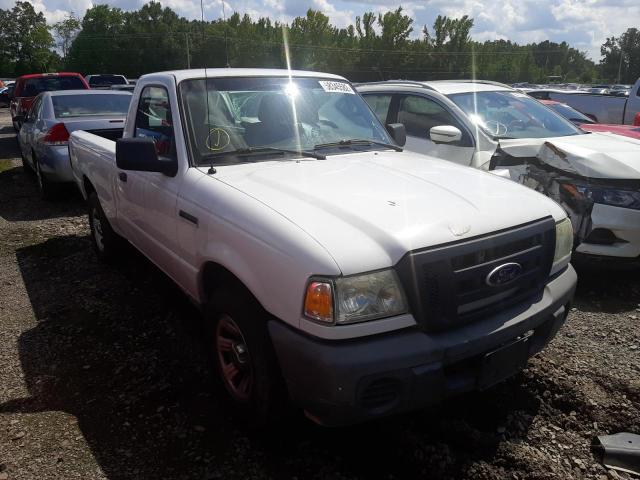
[20,199]
[607,291]
[119,348]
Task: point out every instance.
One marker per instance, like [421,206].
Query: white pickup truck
[333,268]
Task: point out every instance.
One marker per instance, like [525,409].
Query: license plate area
[504,362]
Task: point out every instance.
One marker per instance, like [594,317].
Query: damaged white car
[491,126]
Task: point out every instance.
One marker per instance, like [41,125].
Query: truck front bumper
[348,381]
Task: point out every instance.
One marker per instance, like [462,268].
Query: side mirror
[398,133]
[445,134]
[139,154]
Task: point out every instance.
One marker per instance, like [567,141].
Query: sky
[584,24]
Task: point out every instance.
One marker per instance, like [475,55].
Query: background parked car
[612,109]
[492,126]
[4,96]
[29,86]
[585,123]
[105,80]
[53,116]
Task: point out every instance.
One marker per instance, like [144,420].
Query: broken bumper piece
[620,451]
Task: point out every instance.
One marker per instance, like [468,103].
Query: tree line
[375,47]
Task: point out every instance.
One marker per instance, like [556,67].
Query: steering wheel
[496,128]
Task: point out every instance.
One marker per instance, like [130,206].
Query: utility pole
[186,41]
[619,66]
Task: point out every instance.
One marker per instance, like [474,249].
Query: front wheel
[105,240]
[244,356]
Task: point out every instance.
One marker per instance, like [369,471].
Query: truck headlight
[356,298]
[564,244]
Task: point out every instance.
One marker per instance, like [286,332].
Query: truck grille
[447,285]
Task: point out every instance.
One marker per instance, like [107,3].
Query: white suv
[488,125]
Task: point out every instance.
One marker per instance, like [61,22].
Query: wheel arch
[87,187]
[214,275]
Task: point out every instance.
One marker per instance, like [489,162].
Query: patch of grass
[6,165]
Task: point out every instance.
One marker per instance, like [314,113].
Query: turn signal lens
[318,302]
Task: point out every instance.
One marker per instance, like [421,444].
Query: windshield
[225,115]
[65,106]
[106,80]
[509,114]
[570,114]
[34,86]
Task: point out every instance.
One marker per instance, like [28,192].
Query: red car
[27,87]
[587,124]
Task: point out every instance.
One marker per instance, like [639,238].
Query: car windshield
[106,80]
[34,86]
[270,114]
[570,113]
[65,106]
[508,114]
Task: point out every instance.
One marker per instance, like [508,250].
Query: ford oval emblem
[504,274]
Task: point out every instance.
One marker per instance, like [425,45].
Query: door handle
[122,176]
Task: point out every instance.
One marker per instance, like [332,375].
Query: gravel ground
[102,375]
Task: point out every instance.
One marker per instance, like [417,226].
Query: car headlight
[564,244]
[604,195]
[355,298]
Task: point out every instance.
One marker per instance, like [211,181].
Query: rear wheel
[25,164]
[244,356]
[48,190]
[105,240]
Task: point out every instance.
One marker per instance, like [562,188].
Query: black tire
[105,241]
[47,189]
[28,169]
[267,399]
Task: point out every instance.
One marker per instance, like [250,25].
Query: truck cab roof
[180,75]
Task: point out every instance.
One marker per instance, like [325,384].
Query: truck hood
[596,155]
[369,209]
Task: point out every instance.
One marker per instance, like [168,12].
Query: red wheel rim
[233,355]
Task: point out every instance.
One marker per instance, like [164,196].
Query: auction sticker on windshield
[336,87]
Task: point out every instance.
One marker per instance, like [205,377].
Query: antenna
[226,44]
[211,170]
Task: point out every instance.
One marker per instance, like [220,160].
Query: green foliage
[66,30]
[621,57]
[25,41]
[376,46]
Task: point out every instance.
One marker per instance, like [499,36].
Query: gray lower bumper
[55,164]
[347,381]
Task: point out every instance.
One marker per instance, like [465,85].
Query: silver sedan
[53,116]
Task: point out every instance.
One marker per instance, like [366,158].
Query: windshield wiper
[262,150]
[357,141]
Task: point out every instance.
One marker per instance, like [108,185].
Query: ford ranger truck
[334,270]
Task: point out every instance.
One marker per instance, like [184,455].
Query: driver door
[419,114]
